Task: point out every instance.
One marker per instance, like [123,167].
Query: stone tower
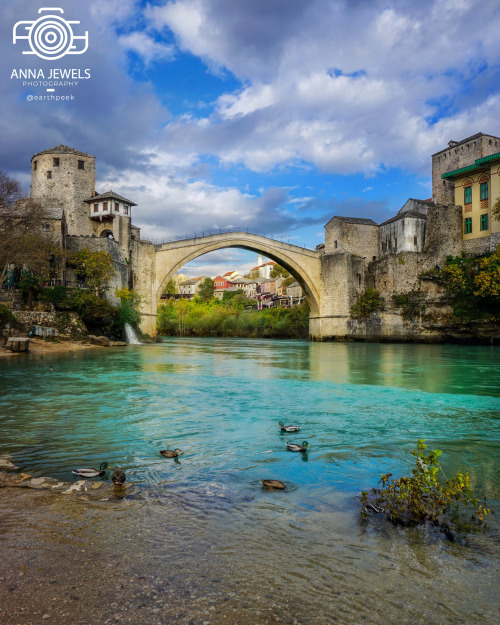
[63,177]
[458,154]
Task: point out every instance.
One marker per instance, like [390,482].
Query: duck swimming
[294,447]
[273,484]
[169,453]
[118,478]
[92,472]
[288,428]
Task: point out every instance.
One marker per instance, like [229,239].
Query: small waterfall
[130,335]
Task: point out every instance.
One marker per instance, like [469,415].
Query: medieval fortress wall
[358,253]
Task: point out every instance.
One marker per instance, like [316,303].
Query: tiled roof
[356,220]
[63,149]
[110,195]
[454,144]
[414,214]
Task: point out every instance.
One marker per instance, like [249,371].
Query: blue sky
[272,115]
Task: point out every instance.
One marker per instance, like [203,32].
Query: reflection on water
[361,407]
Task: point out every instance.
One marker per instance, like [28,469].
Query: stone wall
[143,281]
[444,233]
[66,323]
[482,245]
[120,265]
[355,238]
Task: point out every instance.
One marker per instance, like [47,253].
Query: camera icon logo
[50,36]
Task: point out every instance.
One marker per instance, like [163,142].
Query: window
[96,208]
[382,246]
[117,207]
[484,190]
[35,165]
[104,206]
[335,244]
[484,222]
[388,244]
[468,195]
[81,164]
[45,227]
[415,240]
[468,225]
[49,174]
[56,162]
[125,210]
[395,244]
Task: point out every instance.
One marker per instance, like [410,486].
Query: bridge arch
[302,263]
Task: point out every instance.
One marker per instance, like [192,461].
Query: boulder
[103,341]
[17,344]
[118,344]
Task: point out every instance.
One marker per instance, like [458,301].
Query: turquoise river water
[244,554]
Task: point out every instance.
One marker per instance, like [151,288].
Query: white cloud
[348,87]
[146,47]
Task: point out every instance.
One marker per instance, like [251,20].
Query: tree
[495,209]
[170,288]
[22,244]
[10,190]
[228,296]
[206,290]
[277,271]
[128,311]
[96,267]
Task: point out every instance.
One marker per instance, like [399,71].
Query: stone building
[476,187]
[76,217]
[406,231]
[457,155]
[189,288]
[352,235]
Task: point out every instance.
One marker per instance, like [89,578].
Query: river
[198,540]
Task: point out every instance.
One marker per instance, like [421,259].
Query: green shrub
[368,302]
[98,315]
[57,295]
[7,317]
[411,303]
[473,284]
[422,497]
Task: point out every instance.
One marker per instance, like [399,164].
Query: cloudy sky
[271,115]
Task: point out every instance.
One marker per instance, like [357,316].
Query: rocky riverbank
[41,347]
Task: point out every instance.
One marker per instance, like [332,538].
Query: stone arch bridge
[304,264]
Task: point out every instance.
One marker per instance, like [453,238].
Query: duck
[169,453]
[92,472]
[288,428]
[118,478]
[273,484]
[294,447]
